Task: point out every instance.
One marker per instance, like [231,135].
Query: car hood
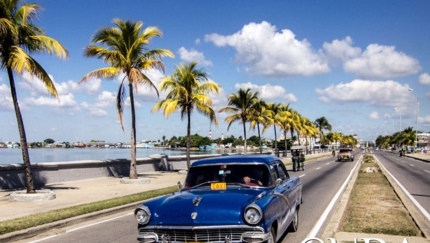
[202,207]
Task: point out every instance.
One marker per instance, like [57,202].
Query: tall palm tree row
[125,49]
[188,89]
[19,38]
[404,138]
[242,106]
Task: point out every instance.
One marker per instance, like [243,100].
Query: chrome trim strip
[202,227]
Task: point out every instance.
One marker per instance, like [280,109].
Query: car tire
[272,236]
[294,226]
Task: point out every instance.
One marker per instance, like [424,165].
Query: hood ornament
[197,200]
[193,215]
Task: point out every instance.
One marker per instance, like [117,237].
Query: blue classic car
[240,198]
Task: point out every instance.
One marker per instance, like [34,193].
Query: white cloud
[424,120]
[93,110]
[378,93]
[62,101]
[341,49]
[379,61]
[106,99]
[374,115]
[266,52]
[91,87]
[6,102]
[424,79]
[193,56]
[268,92]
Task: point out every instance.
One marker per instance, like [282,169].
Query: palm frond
[102,73]
[120,98]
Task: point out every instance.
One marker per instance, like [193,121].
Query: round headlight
[142,215]
[253,214]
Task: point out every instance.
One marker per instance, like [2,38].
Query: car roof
[237,159]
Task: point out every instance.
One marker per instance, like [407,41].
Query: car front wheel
[272,236]
[294,226]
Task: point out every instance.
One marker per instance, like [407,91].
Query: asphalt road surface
[412,174]
[321,182]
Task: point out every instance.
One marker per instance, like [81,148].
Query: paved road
[413,176]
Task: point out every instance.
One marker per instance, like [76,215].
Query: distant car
[240,198]
[345,154]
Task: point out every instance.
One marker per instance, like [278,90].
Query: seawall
[13,176]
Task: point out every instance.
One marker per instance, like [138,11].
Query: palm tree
[187,92]
[275,117]
[241,105]
[408,136]
[19,38]
[125,49]
[322,124]
[285,122]
[309,130]
[295,123]
[259,116]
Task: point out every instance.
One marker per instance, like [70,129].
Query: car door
[283,190]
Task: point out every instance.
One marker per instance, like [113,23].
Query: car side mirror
[278,182]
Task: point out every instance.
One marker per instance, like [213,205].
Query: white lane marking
[103,221]
[78,228]
[412,165]
[327,163]
[46,238]
[318,168]
[319,223]
[423,211]
[427,171]
[302,175]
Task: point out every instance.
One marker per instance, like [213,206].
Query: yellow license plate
[218,186]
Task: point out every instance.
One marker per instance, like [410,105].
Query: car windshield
[345,151]
[243,174]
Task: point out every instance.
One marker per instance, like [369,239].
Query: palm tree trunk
[285,141]
[23,137]
[276,140]
[188,137]
[259,137]
[133,170]
[292,135]
[244,136]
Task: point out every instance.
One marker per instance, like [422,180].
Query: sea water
[47,155]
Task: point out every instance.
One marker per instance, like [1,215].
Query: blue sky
[364,65]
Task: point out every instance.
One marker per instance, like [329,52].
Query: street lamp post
[416,119]
[400,123]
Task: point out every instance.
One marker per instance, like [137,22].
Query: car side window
[274,172]
[282,171]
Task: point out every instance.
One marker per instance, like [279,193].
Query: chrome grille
[201,235]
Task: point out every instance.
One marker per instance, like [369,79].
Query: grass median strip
[12,225]
[374,207]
